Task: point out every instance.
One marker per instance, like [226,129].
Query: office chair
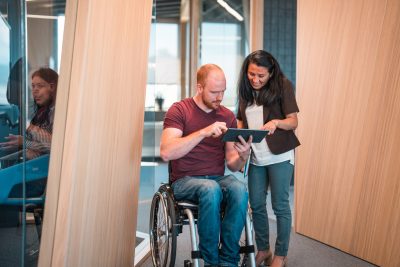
[11,183]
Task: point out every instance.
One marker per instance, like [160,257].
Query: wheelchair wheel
[247,256]
[244,257]
[162,231]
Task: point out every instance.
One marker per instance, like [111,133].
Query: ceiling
[46,7]
[162,9]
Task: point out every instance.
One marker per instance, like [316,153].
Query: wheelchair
[167,218]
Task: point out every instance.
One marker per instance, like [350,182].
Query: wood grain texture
[91,205]
[195,9]
[256,39]
[57,146]
[348,166]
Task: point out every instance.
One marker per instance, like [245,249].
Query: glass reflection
[29,40]
[222,41]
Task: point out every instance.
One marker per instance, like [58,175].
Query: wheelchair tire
[245,248]
[243,262]
[162,230]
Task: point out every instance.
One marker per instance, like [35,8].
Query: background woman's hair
[47,74]
[272,90]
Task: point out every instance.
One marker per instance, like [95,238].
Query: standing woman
[267,101]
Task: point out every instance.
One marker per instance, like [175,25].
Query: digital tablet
[232,135]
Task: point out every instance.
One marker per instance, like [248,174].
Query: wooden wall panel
[256,39]
[348,166]
[91,205]
[194,48]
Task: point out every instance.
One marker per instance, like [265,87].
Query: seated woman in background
[38,134]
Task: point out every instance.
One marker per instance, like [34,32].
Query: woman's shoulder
[287,84]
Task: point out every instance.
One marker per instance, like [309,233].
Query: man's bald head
[204,71]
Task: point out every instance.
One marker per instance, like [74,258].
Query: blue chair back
[35,169]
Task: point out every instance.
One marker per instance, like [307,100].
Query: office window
[223,40]
[221,45]
[164,66]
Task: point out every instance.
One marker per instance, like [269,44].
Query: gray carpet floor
[303,252]
[11,249]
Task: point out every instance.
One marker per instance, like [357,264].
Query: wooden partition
[348,89]
[256,39]
[92,191]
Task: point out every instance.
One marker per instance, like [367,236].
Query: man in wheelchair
[191,141]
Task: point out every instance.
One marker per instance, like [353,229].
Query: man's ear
[199,88]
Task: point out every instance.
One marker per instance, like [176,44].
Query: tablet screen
[232,135]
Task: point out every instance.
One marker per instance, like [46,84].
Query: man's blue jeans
[278,176]
[212,193]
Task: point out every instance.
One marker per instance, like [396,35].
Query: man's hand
[214,130]
[174,146]
[243,147]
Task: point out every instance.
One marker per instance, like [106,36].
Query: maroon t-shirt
[208,157]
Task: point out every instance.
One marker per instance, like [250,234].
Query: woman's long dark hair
[41,116]
[272,90]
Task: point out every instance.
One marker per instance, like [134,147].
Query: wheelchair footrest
[247,249]
[196,254]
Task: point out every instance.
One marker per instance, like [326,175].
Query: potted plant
[159,101]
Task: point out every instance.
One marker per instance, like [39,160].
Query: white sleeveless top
[262,155]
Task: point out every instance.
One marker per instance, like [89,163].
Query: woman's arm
[13,142]
[239,124]
[289,123]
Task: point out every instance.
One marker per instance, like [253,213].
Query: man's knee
[210,191]
[238,192]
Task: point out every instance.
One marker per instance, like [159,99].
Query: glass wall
[222,40]
[30,38]
[12,239]
[163,89]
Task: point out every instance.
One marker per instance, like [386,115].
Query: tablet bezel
[231,135]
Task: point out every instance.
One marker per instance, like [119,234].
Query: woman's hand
[13,141]
[289,123]
[271,126]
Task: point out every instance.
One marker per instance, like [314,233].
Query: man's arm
[174,146]
[237,153]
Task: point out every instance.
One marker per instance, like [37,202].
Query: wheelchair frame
[167,217]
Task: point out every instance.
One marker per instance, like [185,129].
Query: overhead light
[41,16]
[230,10]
